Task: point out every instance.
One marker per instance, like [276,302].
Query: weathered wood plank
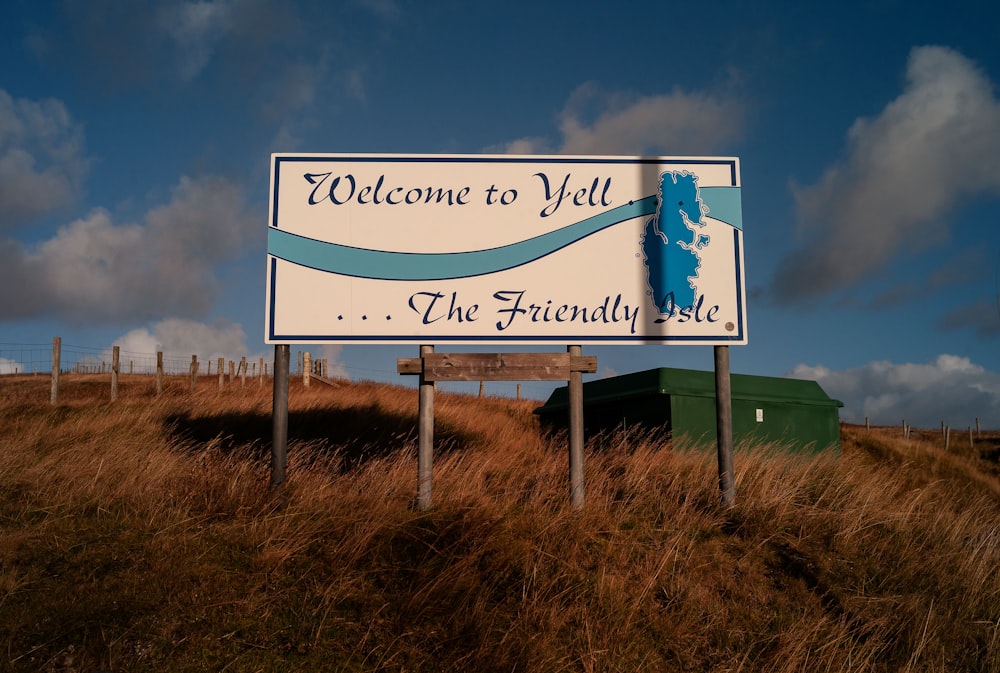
[409,366]
[497,366]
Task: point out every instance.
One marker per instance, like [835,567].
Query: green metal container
[795,413]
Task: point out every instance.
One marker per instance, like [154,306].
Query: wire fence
[24,358]
[36,358]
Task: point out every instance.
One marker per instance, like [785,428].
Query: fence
[38,359]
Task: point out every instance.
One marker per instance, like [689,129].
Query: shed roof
[695,383]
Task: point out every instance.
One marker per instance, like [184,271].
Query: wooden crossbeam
[497,366]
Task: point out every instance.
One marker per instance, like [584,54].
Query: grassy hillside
[139,536]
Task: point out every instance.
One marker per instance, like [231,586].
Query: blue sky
[135,140]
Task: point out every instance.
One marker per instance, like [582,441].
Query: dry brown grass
[139,535]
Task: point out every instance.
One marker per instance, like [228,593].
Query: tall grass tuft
[140,535]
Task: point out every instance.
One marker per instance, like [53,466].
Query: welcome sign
[481,249]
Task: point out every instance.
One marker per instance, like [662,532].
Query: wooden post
[260,377]
[232,372]
[868,424]
[306,367]
[56,357]
[972,443]
[482,385]
[194,372]
[947,437]
[114,373]
[130,363]
[518,391]
[425,430]
[575,393]
[243,372]
[279,416]
[222,373]
[724,425]
[159,372]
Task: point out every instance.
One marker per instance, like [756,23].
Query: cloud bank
[95,270]
[952,389]
[181,338]
[42,161]
[594,121]
[905,170]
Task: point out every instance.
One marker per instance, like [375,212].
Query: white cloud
[95,270]
[176,337]
[196,28]
[41,159]
[335,368]
[598,122]
[952,389]
[933,146]
[10,366]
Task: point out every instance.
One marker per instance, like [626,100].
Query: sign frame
[359,202]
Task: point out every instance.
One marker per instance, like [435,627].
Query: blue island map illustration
[671,242]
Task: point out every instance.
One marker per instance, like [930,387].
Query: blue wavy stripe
[723,203]
[386,265]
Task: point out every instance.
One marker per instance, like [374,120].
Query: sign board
[503,249]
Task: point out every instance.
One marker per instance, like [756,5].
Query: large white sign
[505,249]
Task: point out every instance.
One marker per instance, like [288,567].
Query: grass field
[139,536]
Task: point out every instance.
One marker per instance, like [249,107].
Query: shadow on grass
[355,435]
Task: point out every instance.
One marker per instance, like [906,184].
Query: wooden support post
[575,393]
[243,372]
[159,372]
[114,373]
[947,437]
[222,373]
[433,367]
[518,391]
[306,368]
[482,386]
[724,425]
[868,424]
[425,451]
[279,416]
[260,377]
[56,357]
[194,372]
[232,372]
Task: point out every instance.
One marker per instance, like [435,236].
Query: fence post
[222,373]
[306,367]
[194,372]
[243,372]
[159,372]
[114,373]
[56,355]
[260,379]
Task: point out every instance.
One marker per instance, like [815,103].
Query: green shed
[793,412]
